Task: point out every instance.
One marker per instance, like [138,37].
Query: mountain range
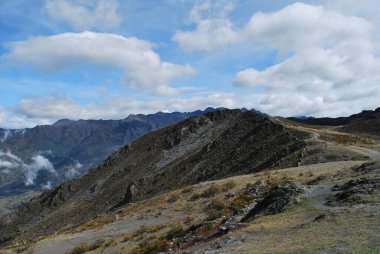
[220,181]
[41,157]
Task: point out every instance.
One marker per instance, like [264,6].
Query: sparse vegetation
[176,231]
[82,248]
[172,199]
[151,246]
[97,244]
[207,193]
[228,185]
[98,222]
[187,189]
[110,243]
[239,202]
[216,209]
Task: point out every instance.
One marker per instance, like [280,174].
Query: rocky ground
[295,210]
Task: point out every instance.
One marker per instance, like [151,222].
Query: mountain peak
[64,121]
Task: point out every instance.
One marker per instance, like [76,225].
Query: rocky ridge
[212,146]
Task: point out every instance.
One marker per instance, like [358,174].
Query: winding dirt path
[373,154]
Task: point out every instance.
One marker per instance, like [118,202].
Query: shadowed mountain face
[44,156]
[215,145]
[367,122]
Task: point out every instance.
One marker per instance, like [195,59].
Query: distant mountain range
[43,156]
[367,121]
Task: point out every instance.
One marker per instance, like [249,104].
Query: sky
[106,59]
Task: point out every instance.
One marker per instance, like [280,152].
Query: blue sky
[103,59]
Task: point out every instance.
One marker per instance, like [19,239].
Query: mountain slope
[213,146]
[366,122]
[72,147]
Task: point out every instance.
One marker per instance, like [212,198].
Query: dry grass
[209,202]
[96,223]
[82,248]
[216,209]
[151,246]
[207,193]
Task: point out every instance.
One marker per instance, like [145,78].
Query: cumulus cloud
[84,15]
[143,67]
[332,70]
[213,28]
[283,29]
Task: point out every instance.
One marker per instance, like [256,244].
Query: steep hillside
[47,155]
[215,145]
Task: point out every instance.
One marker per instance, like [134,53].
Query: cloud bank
[333,67]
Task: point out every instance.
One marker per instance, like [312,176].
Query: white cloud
[84,15]
[213,29]
[332,69]
[9,162]
[47,186]
[143,67]
[73,170]
[2,114]
[209,35]
[301,25]
[202,101]
[10,155]
[38,163]
[281,29]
